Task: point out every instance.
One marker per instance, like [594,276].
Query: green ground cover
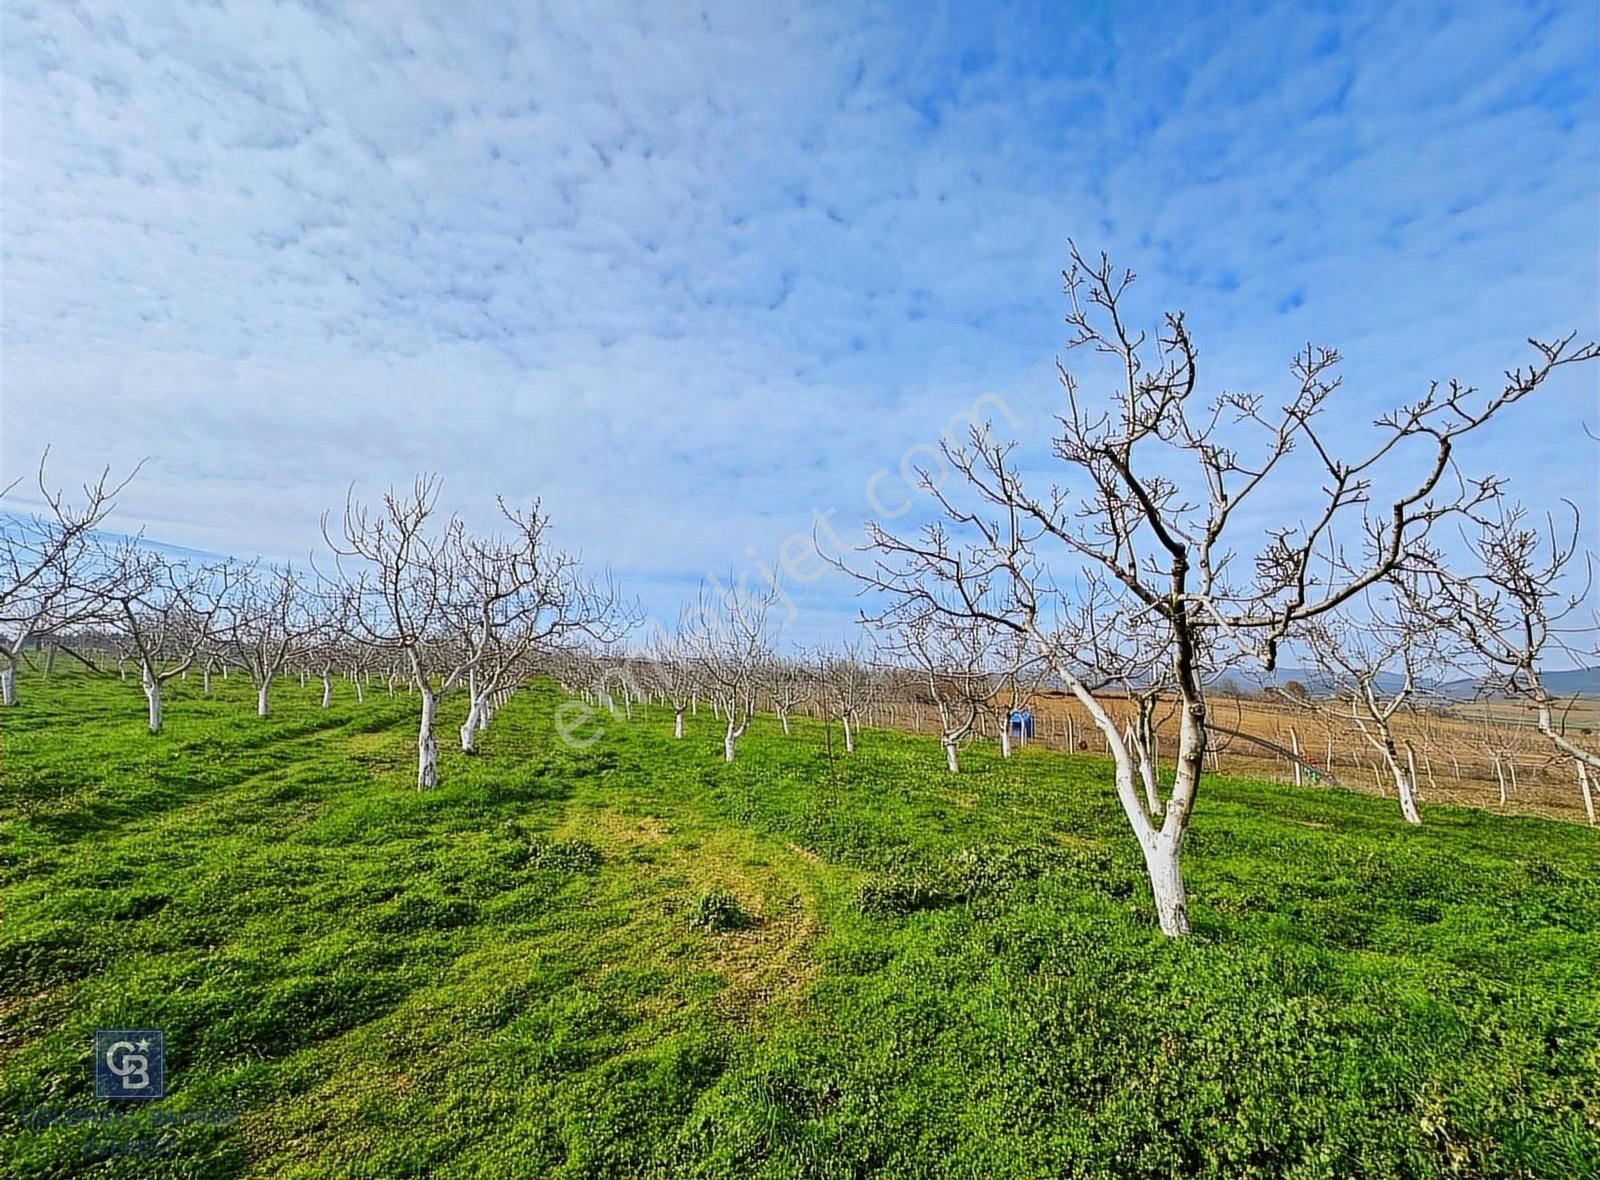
[632,960]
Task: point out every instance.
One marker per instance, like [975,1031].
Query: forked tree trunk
[1404,784]
[427,744]
[1406,790]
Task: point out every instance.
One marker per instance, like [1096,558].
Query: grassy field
[631,960]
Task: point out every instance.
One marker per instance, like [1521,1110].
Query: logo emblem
[130,1063]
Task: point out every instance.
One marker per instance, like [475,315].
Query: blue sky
[694,273]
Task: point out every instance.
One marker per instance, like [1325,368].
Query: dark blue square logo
[130,1063]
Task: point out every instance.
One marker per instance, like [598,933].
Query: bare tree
[845,685]
[951,658]
[1374,659]
[270,621]
[786,682]
[165,610]
[1162,482]
[1018,675]
[49,580]
[518,594]
[675,669]
[1515,608]
[401,577]
[732,644]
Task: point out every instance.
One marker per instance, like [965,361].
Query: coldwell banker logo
[130,1063]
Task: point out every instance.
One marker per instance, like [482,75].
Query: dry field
[1456,748]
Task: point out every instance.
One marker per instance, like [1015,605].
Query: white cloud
[690,274]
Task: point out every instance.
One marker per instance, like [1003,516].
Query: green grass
[632,960]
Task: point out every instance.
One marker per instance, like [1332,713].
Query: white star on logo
[144,1044]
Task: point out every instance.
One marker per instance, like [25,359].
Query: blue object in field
[1022,724]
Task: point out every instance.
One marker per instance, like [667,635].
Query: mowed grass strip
[632,960]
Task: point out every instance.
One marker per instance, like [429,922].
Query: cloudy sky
[693,274]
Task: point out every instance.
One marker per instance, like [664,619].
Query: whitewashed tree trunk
[952,757]
[728,740]
[361,692]
[327,688]
[205,680]
[427,745]
[849,735]
[261,696]
[1166,883]
[783,717]
[677,723]
[8,685]
[152,695]
[1406,789]
[470,727]
[1005,740]
[1588,798]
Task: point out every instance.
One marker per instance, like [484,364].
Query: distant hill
[1570,682]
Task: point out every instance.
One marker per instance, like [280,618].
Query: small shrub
[896,894]
[717,910]
[563,856]
[416,913]
[990,868]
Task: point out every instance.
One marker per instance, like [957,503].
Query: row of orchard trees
[405,590]
[1183,538]
[722,649]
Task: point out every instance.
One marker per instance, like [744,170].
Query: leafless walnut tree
[1160,481]
[1517,606]
[674,667]
[732,644]
[519,594]
[50,580]
[1018,675]
[165,610]
[400,574]
[845,685]
[787,682]
[951,657]
[1376,654]
[270,621]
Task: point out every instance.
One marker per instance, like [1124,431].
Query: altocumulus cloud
[690,272]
